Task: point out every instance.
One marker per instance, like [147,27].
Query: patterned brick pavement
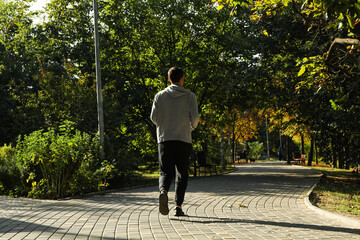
[259,201]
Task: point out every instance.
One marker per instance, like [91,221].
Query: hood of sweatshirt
[176,91]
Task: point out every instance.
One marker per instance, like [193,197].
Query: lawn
[151,175]
[338,191]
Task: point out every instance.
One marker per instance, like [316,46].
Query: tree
[149,38]
[323,97]
[240,126]
[17,66]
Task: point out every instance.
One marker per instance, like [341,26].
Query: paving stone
[258,201]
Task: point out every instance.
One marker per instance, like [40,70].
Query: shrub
[9,173]
[255,149]
[59,162]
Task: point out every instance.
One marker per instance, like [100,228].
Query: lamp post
[267,138]
[223,163]
[98,83]
[280,147]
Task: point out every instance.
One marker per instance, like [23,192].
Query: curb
[348,220]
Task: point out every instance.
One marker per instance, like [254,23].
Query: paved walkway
[259,201]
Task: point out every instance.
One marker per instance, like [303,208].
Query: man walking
[175,114]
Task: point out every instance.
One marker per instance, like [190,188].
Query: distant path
[259,201]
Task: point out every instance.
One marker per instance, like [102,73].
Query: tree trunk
[311,154]
[230,150]
[222,149]
[316,154]
[288,153]
[346,156]
[333,154]
[302,144]
[234,150]
[341,158]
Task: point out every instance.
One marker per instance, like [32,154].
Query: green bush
[9,173]
[255,149]
[60,162]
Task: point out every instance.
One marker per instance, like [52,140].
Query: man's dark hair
[175,74]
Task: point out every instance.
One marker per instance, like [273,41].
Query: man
[175,114]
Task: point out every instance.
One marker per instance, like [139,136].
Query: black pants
[174,158]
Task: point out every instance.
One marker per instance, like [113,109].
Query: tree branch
[347,41]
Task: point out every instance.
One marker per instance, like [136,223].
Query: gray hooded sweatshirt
[175,114]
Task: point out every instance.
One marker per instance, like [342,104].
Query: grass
[338,191]
[150,175]
[219,170]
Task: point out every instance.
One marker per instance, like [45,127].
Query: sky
[39,5]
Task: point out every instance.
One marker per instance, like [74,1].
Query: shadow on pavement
[209,220]
[8,225]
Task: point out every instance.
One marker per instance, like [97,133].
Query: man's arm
[154,111]
[194,115]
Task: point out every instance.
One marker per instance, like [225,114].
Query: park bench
[201,163]
[300,160]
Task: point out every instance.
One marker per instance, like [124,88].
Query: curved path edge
[348,220]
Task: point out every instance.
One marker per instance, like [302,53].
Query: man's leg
[183,151]
[166,164]
[167,171]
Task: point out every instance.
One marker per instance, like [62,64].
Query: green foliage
[66,96]
[17,66]
[9,173]
[59,162]
[251,55]
[255,149]
[149,38]
[104,173]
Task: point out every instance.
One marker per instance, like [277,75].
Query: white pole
[280,147]
[267,138]
[98,83]
[231,155]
